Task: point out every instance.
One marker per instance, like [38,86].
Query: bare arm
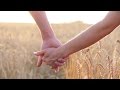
[94,33]
[42,22]
[84,39]
[49,39]
[89,36]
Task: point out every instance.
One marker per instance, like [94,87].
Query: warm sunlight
[54,16]
[76,45]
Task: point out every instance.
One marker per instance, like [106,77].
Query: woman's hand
[48,43]
[54,57]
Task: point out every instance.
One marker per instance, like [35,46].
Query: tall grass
[19,41]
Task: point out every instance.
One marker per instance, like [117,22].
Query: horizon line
[49,22]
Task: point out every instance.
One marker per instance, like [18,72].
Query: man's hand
[54,57]
[48,36]
[48,43]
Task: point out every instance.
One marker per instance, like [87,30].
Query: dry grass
[19,41]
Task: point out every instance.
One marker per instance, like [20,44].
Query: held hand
[54,57]
[49,43]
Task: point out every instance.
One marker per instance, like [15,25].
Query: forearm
[43,24]
[87,38]
[92,34]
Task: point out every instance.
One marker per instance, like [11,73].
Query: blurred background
[20,37]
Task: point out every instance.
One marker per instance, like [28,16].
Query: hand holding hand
[54,57]
[49,43]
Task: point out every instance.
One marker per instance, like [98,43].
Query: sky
[90,17]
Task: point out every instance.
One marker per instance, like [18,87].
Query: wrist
[48,35]
[49,38]
[64,51]
[68,49]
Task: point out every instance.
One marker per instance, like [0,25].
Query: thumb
[39,53]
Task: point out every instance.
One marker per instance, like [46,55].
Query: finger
[38,53]
[66,59]
[50,63]
[55,63]
[61,60]
[59,64]
[46,58]
[56,68]
[39,62]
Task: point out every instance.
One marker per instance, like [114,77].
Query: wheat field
[18,41]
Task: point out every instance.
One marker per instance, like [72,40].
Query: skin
[48,36]
[82,40]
